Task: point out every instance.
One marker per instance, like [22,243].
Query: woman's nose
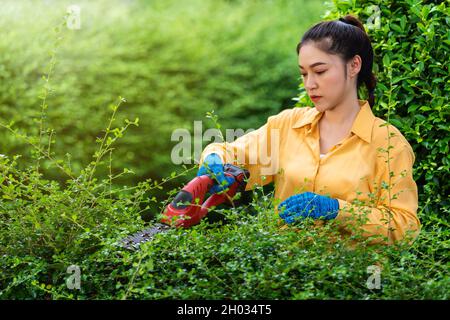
[310,83]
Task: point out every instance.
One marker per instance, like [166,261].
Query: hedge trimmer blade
[133,241]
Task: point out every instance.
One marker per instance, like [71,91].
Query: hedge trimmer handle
[188,208]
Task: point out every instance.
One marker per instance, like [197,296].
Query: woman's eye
[318,72]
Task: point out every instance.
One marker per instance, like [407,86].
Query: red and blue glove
[308,204]
[213,166]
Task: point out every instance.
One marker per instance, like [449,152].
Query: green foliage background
[174,62]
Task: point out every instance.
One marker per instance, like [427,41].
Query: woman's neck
[342,115]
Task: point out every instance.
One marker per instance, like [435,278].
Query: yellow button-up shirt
[286,151]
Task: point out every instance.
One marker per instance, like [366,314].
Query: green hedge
[242,256]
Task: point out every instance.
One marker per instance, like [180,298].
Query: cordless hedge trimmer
[188,208]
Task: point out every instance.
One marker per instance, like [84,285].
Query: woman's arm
[395,215]
[258,151]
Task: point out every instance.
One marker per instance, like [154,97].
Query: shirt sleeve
[257,151]
[393,216]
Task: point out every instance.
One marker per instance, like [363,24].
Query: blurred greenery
[171,60]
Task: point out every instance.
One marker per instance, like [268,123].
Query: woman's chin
[322,106]
[319,106]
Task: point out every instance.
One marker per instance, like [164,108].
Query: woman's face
[323,77]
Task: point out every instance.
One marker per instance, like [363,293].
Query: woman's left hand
[308,204]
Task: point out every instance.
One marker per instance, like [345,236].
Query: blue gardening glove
[212,165]
[308,204]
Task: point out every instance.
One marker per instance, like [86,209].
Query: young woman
[330,161]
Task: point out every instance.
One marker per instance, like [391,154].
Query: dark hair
[345,37]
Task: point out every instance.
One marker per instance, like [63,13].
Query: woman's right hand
[213,166]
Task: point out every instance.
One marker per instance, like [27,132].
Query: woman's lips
[315,98]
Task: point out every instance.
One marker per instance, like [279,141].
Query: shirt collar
[362,126]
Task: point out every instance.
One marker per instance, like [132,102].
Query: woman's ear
[354,66]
